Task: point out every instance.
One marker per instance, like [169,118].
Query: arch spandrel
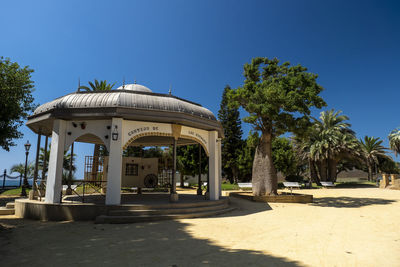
[134,130]
[100,129]
[198,135]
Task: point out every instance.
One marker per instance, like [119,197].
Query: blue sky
[200,46]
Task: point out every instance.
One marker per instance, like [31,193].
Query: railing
[8,177]
[165,178]
[95,185]
[40,188]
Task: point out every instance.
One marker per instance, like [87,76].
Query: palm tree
[394,140]
[97,86]
[372,150]
[302,145]
[327,142]
[331,140]
[41,161]
[66,161]
[20,168]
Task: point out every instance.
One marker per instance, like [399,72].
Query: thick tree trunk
[369,172]
[182,182]
[264,179]
[332,170]
[235,174]
[322,170]
[313,172]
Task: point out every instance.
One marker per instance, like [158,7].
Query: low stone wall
[37,210]
[284,198]
[395,181]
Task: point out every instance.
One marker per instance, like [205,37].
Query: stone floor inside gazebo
[145,198]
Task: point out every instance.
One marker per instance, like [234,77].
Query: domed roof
[137,103]
[135,87]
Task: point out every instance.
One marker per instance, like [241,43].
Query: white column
[214,165]
[54,175]
[113,194]
[219,166]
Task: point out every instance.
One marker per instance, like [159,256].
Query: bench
[73,187]
[245,185]
[328,184]
[184,184]
[290,185]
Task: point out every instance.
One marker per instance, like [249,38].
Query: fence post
[4,178]
[20,180]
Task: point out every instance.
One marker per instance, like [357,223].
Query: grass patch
[227,187]
[89,189]
[14,192]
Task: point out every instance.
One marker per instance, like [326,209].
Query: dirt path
[343,227]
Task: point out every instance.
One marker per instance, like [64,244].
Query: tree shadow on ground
[349,202]
[354,185]
[243,207]
[167,243]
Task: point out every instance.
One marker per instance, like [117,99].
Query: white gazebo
[129,115]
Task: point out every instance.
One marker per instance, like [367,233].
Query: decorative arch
[198,141]
[133,138]
[72,138]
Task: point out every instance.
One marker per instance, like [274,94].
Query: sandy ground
[343,227]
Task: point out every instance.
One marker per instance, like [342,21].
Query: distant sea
[15,182]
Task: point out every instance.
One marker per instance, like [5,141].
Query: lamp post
[25,184]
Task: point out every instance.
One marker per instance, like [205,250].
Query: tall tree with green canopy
[394,140]
[278,98]
[302,145]
[388,165]
[232,143]
[246,157]
[283,156]
[188,161]
[372,150]
[328,143]
[16,100]
[333,140]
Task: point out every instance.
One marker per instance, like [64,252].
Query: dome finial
[134,87]
[123,84]
[170,90]
[134,82]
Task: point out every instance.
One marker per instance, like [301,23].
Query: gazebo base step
[167,211]
[135,218]
[10,205]
[146,207]
[7,211]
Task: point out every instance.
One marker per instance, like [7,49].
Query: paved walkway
[343,227]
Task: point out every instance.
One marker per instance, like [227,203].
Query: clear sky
[200,46]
